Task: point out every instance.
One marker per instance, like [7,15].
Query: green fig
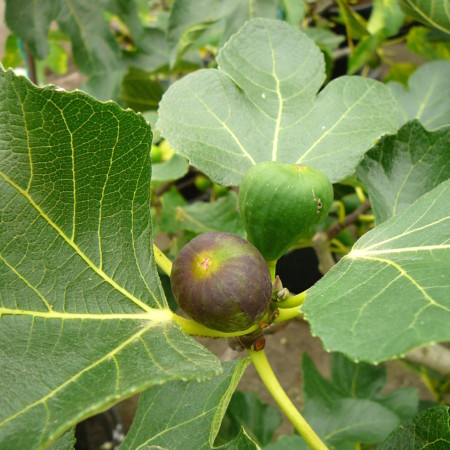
[281,203]
[221,281]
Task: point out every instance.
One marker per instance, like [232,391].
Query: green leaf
[173,169]
[288,443]
[363,53]
[30,21]
[93,45]
[433,13]
[426,96]
[221,215]
[84,322]
[429,44]
[127,12]
[12,55]
[351,408]
[260,105]
[294,11]
[355,24]
[259,419]
[65,442]
[386,17]
[430,429]
[238,12]
[390,293]
[170,202]
[402,167]
[139,91]
[184,415]
[187,22]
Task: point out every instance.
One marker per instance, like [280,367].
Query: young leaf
[261,105]
[433,13]
[185,414]
[94,47]
[139,91]
[222,215]
[187,22]
[390,293]
[172,169]
[429,429]
[84,322]
[402,167]
[347,409]
[259,419]
[427,95]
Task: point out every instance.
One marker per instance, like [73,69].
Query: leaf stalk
[272,384]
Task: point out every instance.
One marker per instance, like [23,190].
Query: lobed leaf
[261,105]
[185,414]
[390,293]
[84,321]
[426,97]
[402,167]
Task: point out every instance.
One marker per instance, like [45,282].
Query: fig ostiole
[221,281]
[281,203]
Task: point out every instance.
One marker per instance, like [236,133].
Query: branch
[31,66]
[337,227]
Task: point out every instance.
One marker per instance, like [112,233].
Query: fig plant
[87,204]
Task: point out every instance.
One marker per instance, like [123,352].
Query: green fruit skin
[281,203]
[233,293]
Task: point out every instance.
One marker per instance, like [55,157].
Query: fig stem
[272,265]
[197,329]
[162,260]
[293,301]
[287,314]
[272,384]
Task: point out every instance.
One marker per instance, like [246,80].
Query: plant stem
[196,329]
[336,228]
[269,379]
[272,265]
[323,252]
[31,66]
[293,301]
[162,260]
[287,314]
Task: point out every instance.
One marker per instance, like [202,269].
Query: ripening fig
[221,281]
[281,203]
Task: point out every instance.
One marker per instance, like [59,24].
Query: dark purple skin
[234,295]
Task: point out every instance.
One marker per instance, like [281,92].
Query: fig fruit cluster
[221,281]
[281,203]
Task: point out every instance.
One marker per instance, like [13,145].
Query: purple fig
[222,281]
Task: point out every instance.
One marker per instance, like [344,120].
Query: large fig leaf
[402,167]
[390,293]
[94,47]
[261,105]
[184,415]
[84,322]
[427,95]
